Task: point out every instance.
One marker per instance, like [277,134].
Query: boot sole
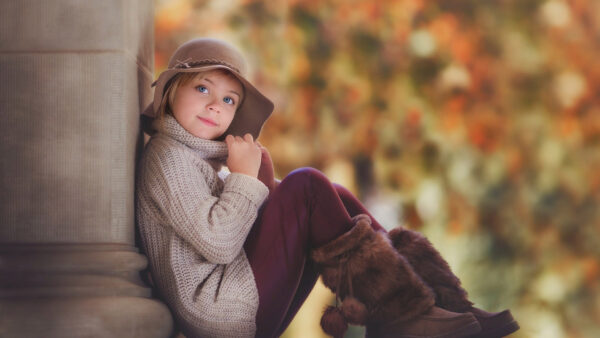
[499,331]
[465,331]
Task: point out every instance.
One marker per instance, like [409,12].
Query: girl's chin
[205,135]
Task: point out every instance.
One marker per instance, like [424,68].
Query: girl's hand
[244,155]
[265,172]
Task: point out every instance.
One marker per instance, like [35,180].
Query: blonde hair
[181,79]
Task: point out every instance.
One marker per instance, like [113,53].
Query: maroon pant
[305,211]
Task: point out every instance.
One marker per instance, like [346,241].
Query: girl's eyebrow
[231,91]
[236,93]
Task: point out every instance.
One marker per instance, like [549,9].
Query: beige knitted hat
[204,54]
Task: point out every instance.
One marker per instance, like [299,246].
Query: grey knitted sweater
[193,225]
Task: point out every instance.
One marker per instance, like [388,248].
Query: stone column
[73,77]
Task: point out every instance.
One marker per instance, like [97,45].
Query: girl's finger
[248,138]
[229,139]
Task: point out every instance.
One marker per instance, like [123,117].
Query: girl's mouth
[208,122]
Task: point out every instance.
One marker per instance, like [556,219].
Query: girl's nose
[214,106]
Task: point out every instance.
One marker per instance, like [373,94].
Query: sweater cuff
[248,186]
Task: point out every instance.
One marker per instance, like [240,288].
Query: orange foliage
[171,16]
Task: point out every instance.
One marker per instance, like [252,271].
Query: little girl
[236,255]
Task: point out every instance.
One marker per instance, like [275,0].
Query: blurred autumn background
[474,122]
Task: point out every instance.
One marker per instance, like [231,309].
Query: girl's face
[205,106]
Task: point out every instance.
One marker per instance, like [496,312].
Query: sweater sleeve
[216,226]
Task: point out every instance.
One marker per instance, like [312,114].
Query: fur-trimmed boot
[378,288]
[449,294]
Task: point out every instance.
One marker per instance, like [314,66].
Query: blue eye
[202,89]
[228,100]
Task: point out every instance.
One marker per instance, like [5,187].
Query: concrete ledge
[114,317]
[71,271]
[92,290]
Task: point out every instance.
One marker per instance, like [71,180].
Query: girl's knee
[342,191]
[304,177]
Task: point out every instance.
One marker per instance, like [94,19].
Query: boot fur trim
[333,322]
[432,268]
[364,265]
[346,242]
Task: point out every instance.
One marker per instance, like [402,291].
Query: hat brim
[250,116]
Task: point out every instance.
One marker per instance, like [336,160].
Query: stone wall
[74,76]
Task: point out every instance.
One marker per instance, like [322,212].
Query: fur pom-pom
[333,322]
[354,311]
